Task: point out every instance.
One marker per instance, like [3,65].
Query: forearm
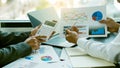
[93,48]
[12,38]
[14,52]
[117,38]
[96,49]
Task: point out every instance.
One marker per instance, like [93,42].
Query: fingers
[37,45]
[38,37]
[41,38]
[52,34]
[74,28]
[71,36]
[34,31]
[68,31]
[38,26]
[106,21]
[103,21]
[37,41]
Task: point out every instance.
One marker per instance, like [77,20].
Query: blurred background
[18,9]
[13,13]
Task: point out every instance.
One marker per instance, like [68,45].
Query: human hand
[34,31]
[34,41]
[71,36]
[74,28]
[52,34]
[111,24]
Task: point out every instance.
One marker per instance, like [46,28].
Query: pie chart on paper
[97,16]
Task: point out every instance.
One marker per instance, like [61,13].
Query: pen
[74,24]
[52,62]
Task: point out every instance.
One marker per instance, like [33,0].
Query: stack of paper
[75,51]
[80,59]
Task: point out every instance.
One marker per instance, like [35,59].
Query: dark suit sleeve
[8,38]
[13,52]
[12,46]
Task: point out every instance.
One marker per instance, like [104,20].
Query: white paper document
[89,62]
[75,51]
[80,59]
[30,64]
[86,19]
[45,57]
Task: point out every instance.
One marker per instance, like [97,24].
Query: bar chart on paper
[99,31]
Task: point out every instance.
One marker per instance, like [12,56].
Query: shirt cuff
[116,33]
[82,42]
[119,30]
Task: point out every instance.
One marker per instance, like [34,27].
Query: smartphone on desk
[47,28]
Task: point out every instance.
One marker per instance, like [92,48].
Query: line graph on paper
[86,16]
[74,16]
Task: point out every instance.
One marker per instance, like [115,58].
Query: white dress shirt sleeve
[107,51]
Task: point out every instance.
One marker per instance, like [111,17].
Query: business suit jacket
[12,46]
